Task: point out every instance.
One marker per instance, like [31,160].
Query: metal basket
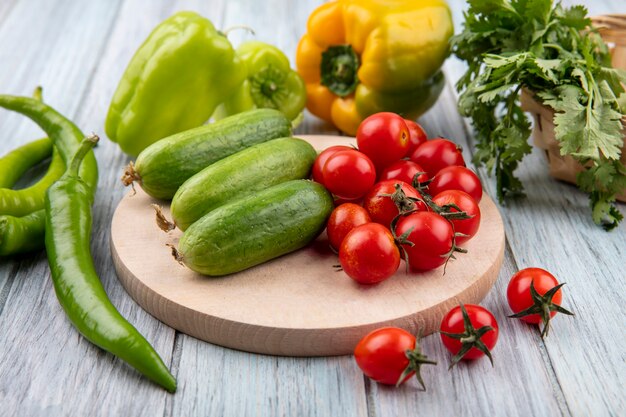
[612,28]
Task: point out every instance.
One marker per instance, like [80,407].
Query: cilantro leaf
[586,131]
[575,17]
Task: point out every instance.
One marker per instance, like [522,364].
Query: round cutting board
[298,304]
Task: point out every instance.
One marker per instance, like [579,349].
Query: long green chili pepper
[27,200]
[16,231]
[68,226]
[78,288]
[22,234]
[15,163]
[65,135]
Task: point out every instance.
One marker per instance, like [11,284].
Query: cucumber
[240,174]
[163,166]
[256,228]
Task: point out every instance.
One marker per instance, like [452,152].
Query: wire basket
[612,28]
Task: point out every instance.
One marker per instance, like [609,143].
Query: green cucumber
[163,166]
[246,172]
[256,228]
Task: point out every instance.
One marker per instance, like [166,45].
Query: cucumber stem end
[161,220]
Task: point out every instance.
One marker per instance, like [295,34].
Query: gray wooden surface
[78,50]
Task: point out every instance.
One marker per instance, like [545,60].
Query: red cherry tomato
[384,137]
[457,178]
[467,204]
[368,254]
[321,159]
[380,205]
[343,219]
[404,171]
[437,154]
[455,335]
[348,174]
[432,238]
[417,135]
[541,306]
[384,353]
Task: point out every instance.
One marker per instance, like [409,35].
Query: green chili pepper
[15,163]
[17,234]
[27,200]
[22,234]
[270,83]
[64,134]
[77,286]
[67,230]
[174,82]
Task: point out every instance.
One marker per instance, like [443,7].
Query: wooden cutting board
[298,304]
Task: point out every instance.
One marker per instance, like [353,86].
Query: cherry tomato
[368,254]
[457,178]
[404,171]
[539,307]
[380,205]
[469,341]
[321,159]
[417,135]
[343,219]
[436,154]
[467,204]
[384,137]
[390,355]
[432,238]
[348,174]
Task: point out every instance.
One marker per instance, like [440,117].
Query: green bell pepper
[270,83]
[174,82]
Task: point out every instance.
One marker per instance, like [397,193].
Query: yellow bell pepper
[360,57]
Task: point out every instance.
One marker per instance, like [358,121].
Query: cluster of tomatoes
[401,195]
[391,355]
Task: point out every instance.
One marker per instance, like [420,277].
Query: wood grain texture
[5,8]
[223,382]
[78,50]
[308,308]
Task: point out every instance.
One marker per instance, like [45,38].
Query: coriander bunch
[553,52]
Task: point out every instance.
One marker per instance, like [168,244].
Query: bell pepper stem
[339,68]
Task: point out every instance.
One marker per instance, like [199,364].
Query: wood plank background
[78,50]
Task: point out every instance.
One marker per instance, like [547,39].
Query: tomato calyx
[416,360]
[542,305]
[450,254]
[470,338]
[421,186]
[445,211]
[404,203]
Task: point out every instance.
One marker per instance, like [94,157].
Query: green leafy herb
[553,52]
